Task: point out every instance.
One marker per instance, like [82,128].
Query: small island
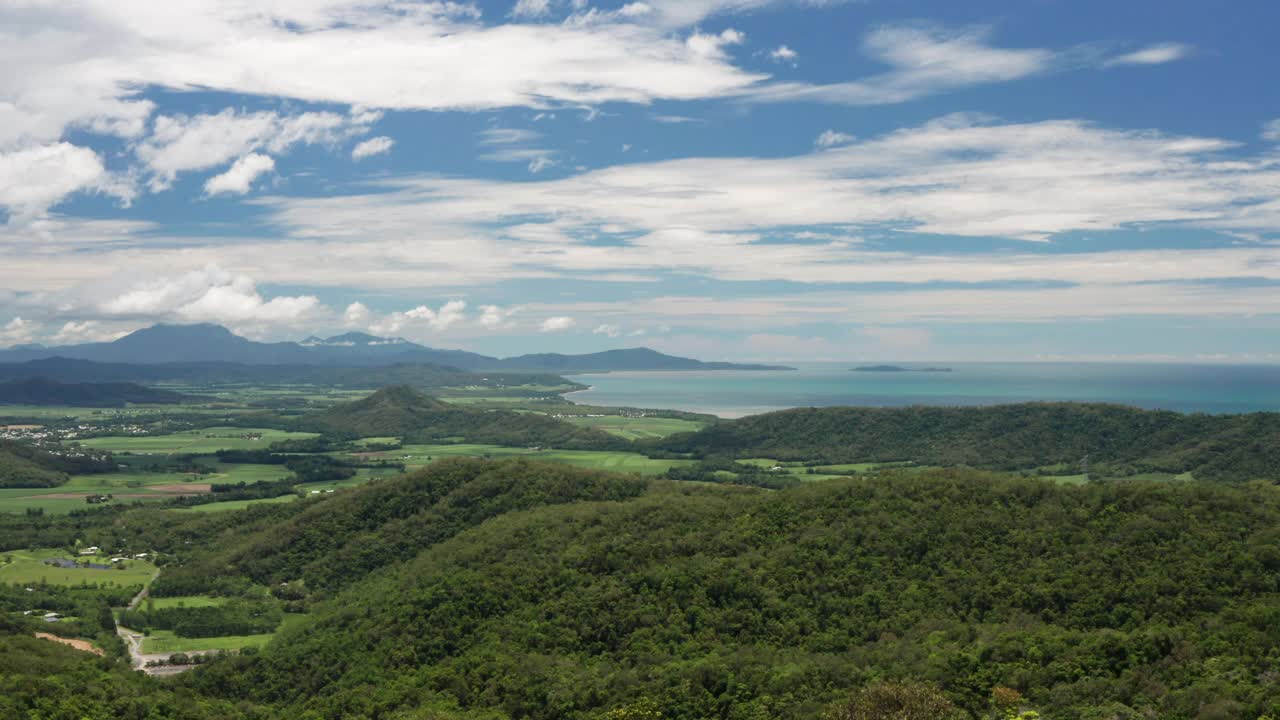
[898,368]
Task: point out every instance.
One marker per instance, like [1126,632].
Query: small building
[92,550]
[52,617]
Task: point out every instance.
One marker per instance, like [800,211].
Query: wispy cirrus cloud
[921,61]
[1153,55]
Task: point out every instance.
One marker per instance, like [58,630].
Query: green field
[236,504]
[164,641]
[635,428]
[28,566]
[189,601]
[130,486]
[204,440]
[417,455]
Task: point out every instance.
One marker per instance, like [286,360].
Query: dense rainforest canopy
[1110,439]
[479,589]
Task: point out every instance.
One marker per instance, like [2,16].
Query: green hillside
[517,589]
[1117,440]
[401,411]
[514,589]
[17,471]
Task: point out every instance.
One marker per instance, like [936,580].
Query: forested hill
[27,466]
[497,596]
[43,391]
[403,412]
[478,590]
[1116,440]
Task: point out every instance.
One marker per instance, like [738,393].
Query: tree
[645,709]
[897,701]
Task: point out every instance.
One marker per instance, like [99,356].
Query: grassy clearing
[365,442]
[1067,479]
[188,601]
[204,440]
[418,455]
[131,486]
[28,566]
[236,504]
[164,641]
[635,428]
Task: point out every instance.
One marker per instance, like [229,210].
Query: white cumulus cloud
[557,323]
[448,315]
[494,316]
[783,54]
[373,146]
[34,179]
[18,332]
[831,138]
[181,143]
[208,295]
[240,176]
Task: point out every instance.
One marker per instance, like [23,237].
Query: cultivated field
[164,641]
[28,566]
[204,440]
[635,428]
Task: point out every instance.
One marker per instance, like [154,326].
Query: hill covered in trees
[43,391]
[23,465]
[478,589]
[17,471]
[403,412]
[1116,440]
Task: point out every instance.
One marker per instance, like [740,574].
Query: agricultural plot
[418,455]
[635,428]
[204,440]
[132,486]
[236,504]
[30,566]
[186,601]
[164,641]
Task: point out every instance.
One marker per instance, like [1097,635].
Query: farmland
[205,440]
[165,641]
[29,566]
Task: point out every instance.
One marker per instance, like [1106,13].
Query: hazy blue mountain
[43,391]
[215,344]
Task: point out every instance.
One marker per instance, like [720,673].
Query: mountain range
[207,343]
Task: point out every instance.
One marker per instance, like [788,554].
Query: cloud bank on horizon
[773,179]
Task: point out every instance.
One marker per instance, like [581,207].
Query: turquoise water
[1186,388]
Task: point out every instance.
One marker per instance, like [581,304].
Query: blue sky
[772,179]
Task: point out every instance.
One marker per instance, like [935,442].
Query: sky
[724,179]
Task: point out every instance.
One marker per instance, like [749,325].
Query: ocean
[733,393]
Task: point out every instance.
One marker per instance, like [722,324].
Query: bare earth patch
[83,645]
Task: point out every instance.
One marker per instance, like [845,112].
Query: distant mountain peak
[205,343]
[353,339]
[199,332]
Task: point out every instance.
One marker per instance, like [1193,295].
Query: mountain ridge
[206,343]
